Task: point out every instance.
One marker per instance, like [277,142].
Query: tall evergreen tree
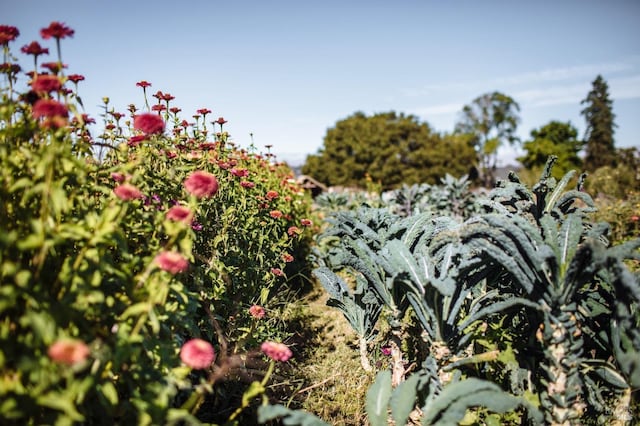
[600,149]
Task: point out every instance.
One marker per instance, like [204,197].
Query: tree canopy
[390,148]
[598,112]
[491,119]
[554,138]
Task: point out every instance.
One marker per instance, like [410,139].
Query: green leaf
[110,393]
[289,417]
[59,402]
[403,399]
[378,396]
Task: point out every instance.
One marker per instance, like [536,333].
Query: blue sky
[286,71]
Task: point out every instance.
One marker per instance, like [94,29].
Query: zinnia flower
[56,30]
[172,262]
[148,123]
[144,84]
[247,184]
[272,195]
[201,184]
[276,351]
[198,354]
[127,192]
[293,230]
[306,222]
[49,108]
[239,172]
[276,214]
[46,83]
[287,257]
[277,272]
[34,49]
[179,214]
[68,352]
[257,312]
[75,77]
[8,33]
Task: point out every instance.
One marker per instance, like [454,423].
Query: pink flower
[172,262]
[287,257]
[277,272]
[118,177]
[68,352]
[272,195]
[239,172]
[293,230]
[144,84]
[135,140]
[127,192]
[635,218]
[276,214]
[56,30]
[148,123]
[198,354]
[306,222]
[276,351]
[179,214]
[201,184]
[75,77]
[386,350]
[46,83]
[247,184]
[257,312]
[49,108]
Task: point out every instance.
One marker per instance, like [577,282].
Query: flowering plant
[129,259]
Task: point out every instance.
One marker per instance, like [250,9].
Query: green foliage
[598,113]
[554,138]
[92,319]
[490,120]
[388,148]
[563,302]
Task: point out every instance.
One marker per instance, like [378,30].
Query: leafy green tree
[389,148]
[554,138]
[491,119]
[598,112]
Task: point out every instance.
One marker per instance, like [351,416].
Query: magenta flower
[198,354]
[201,184]
[68,352]
[127,192]
[56,30]
[257,312]
[276,351]
[148,123]
[118,177]
[179,214]
[172,262]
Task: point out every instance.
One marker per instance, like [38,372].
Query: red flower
[148,123]
[135,140]
[276,214]
[8,33]
[34,49]
[204,111]
[127,192]
[46,83]
[54,67]
[277,272]
[167,97]
[56,30]
[118,177]
[172,262]
[257,312]
[198,354]
[11,69]
[49,108]
[287,257]
[221,121]
[75,77]
[272,195]
[68,352]
[276,351]
[159,107]
[306,222]
[247,184]
[201,184]
[174,110]
[144,84]
[635,218]
[179,214]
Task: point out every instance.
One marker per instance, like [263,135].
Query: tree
[491,119]
[389,148]
[600,150]
[554,138]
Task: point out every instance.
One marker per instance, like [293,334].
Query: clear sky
[286,71]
